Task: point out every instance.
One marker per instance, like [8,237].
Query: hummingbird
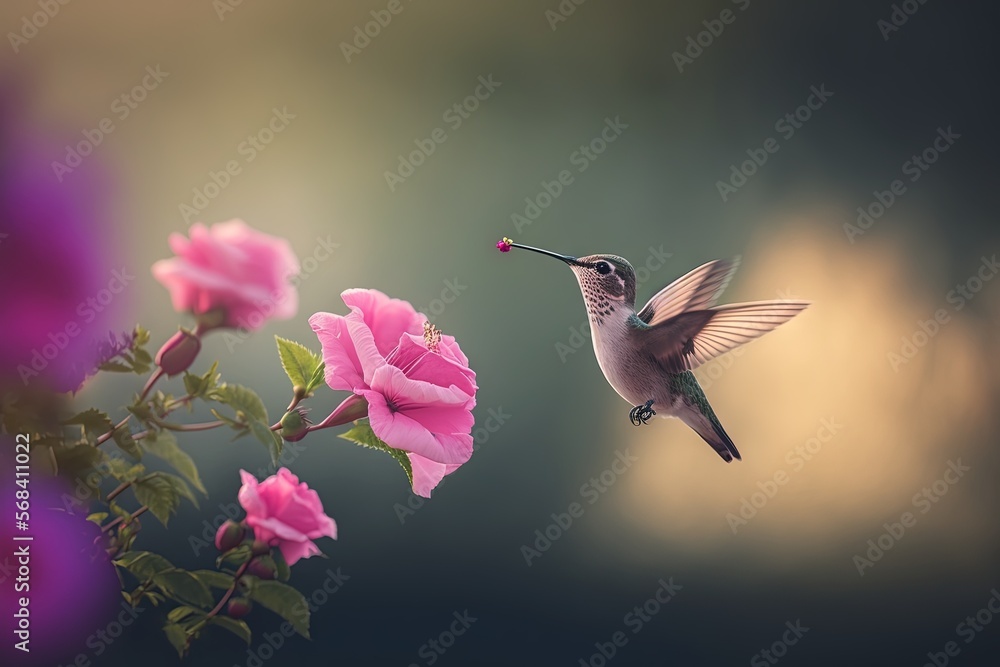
[648,356]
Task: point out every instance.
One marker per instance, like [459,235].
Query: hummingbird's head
[607,281]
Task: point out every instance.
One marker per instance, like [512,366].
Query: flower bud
[263,567]
[259,548]
[178,353]
[229,535]
[295,425]
[239,607]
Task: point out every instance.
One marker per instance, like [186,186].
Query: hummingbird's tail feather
[711,431]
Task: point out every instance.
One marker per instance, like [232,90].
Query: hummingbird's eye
[603,268]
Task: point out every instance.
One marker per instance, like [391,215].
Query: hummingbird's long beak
[566,258]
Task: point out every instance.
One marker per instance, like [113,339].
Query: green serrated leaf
[270,438]
[214,578]
[94,422]
[184,587]
[237,627]
[240,399]
[180,486]
[122,470]
[200,385]
[144,565]
[159,494]
[362,434]
[123,438]
[164,445]
[177,637]
[299,362]
[284,601]
[317,379]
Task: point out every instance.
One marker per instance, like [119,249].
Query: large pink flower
[285,513]
[230,275]
[417,382]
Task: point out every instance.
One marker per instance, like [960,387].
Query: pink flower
[417,382]
[285,513]
[230,275]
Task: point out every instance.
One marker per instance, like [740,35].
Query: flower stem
[353,408]
[149,384]
[120,519]
[117,492]
[203,426]
[107,436]
[225,597]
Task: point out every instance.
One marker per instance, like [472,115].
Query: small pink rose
[286,513]
[229,275]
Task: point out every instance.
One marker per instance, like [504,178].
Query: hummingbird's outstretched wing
[693,337]
[696,290]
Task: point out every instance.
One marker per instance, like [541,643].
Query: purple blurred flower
[55,247]
[71,585]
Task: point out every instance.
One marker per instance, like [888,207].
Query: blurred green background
[652,191]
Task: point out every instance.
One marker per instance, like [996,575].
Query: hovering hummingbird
[647,356]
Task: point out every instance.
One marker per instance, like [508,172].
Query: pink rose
[417,382]
[285,513]
[230,275]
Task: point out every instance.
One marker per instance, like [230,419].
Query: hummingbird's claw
[641,414]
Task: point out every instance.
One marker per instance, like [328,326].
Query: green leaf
[270,438]
[362,434]
[283,571]
[115,367]
[144,565]
[201,385]
[184,587]
[178,614]
[123,470]
[164,445]
[240,399]
[214,578]
[178,638]
[300,363]
[123,438]
[284,601]
[97,517]
[318,378]
[237,627]
[180,486]
[159,494]
[94,422]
